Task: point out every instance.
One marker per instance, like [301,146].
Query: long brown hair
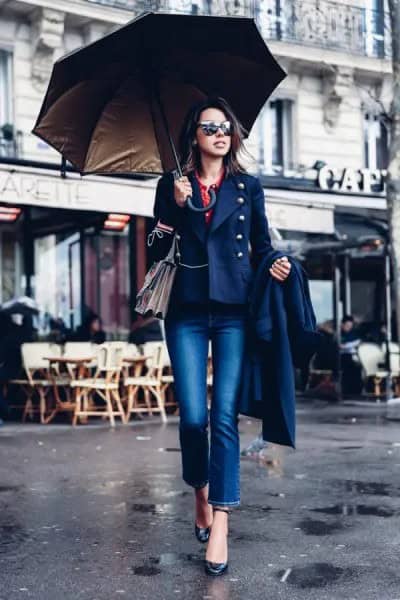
[190,154]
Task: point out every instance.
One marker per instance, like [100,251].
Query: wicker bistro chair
[167,378]
[104,383]
[151,383]
[40,379]
[371,357]
[394,361]
[79,349]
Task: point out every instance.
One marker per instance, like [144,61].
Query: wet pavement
[95,514]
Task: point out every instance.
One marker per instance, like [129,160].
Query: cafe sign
[92,193]
[367,181]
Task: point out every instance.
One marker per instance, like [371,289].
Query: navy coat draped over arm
[281,334]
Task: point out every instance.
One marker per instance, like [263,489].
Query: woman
[209,303]
[91,330]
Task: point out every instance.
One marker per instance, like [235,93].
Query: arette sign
[28,187]
[367,181]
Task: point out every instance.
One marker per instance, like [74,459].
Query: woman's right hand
[182,189]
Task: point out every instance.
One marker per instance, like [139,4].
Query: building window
[375,142]
[5,87]
[7,134]
[181,6]
[57,278]
[10,268]
[271,18]
[374,28]
[276,140]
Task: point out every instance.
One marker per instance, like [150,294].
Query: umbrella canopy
[21,306]
[108,104]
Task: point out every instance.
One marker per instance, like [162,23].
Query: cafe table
[76,368]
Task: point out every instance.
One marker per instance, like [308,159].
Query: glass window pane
[107,283]
[8,266]
[57,277]
[321,292]
[114,284]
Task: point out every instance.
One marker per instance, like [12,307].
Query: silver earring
[194,143]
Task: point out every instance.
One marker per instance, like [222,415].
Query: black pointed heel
[212,568]
[202,533]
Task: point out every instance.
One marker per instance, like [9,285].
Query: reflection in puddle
[167,559]
[355,509]
[218,588]
[372,488]
[355,419]
[269,457]
[10,488]
[315,575]
[256,508]
[250,537]
[314,527]
[11,535]
[146,570]
[154,509]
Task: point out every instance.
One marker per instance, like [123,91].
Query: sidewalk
[96,514]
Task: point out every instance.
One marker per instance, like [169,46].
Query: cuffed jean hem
[236,503]
[197,486]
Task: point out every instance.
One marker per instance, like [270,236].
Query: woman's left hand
[280,268]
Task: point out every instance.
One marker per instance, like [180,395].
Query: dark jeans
[187,335]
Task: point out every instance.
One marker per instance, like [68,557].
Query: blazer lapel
[227,202]
[196,219]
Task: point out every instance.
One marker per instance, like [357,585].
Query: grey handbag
[153,297]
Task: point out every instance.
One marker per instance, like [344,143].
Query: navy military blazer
[232,245]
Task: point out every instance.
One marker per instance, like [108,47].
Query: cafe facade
[319,147]
[78,244]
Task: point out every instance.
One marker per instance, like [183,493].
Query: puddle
[10,488]
[316,575]
[167,559]
[146,570]
[153,509]
[352,420]
[314,527]
[251,537]
[11,534]
[257,508]
[372,488]
[355,509]
[171,558]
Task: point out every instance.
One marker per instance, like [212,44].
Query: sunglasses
[211,127]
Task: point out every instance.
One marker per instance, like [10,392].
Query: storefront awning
[45,188]
[327,199]
[295,215]
[303,211]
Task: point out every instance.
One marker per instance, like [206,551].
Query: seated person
[145,329]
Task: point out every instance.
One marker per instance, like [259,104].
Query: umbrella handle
[202,209]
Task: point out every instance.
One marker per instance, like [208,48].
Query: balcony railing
[319,23]
[330,25]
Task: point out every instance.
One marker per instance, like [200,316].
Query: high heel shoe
[212,568]
[202,533]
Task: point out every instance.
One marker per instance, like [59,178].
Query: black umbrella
[117,105]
